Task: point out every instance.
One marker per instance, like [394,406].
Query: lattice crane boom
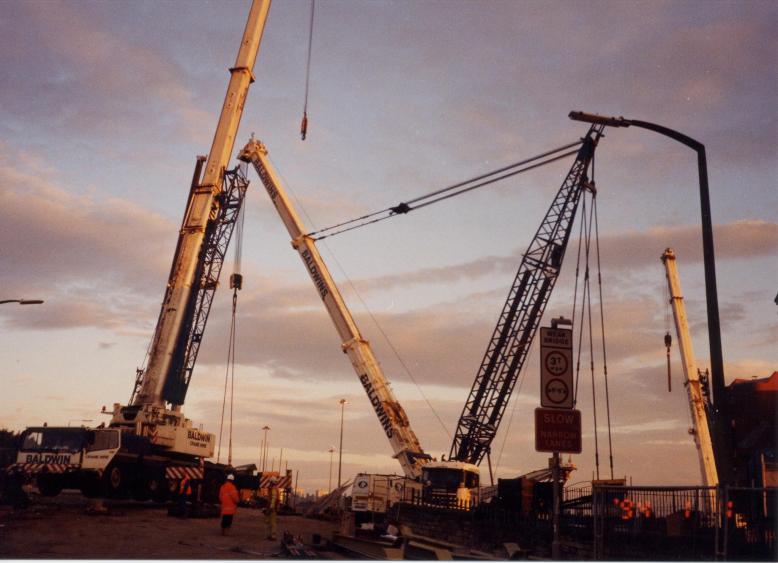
[518,322]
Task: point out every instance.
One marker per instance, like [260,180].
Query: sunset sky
[105,105]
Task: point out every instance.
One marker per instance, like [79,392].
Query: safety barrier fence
[723,523]
[630,523]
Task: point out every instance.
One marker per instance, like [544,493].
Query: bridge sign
[556,368]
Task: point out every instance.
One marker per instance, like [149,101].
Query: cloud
[84,84]
[87,257]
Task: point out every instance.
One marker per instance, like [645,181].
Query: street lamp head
[30,301]
[265,427]
[599,119]
[343,401]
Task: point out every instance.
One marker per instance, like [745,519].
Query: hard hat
[230,477]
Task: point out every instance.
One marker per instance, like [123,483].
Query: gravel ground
[61,528]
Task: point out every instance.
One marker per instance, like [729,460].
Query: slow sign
[558,430]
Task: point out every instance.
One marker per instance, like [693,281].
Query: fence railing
[684,522]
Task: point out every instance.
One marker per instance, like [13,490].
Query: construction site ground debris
[61,528]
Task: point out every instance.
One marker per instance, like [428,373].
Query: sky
[105,105]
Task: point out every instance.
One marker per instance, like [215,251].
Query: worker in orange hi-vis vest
[228,498]
[184,495]
[271,512]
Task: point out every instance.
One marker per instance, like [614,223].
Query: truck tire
[49,485]
[114,481]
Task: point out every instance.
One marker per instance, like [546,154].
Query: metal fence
[683,523]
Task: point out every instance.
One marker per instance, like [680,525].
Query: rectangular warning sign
[558,430]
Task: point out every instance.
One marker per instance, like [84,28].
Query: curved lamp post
[721,425]
[23,301]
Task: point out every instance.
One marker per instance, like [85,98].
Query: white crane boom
[390,413]
[702,437]
[202,205]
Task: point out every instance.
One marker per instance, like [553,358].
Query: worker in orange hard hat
[228,498]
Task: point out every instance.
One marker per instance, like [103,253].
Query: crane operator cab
[451,484]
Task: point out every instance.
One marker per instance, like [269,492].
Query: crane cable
[590,222]
[448,192]
[304,123]
[236,283]
[369,312]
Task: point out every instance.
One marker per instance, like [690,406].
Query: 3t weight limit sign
[556,368]
[556,363]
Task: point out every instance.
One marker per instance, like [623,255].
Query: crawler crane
[149,443]
[520,317]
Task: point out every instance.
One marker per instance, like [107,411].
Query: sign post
[557,423]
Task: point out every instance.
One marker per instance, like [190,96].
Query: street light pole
[721,425]
[263,453]
[23,301]
[340,454]
[329,485]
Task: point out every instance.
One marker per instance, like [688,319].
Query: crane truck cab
[452,484]
[56,458]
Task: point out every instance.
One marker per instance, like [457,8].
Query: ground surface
[60,528]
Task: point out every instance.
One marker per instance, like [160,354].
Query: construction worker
[228,498]
[184,494]
[271,512]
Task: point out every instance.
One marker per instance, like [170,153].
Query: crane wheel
[49,485]
[114,481]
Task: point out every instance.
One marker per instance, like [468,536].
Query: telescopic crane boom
[701,431]
[390,413]
[212,208]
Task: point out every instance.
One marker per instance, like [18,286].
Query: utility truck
[149,444]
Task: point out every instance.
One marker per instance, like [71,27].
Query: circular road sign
[556,391]
[556,363]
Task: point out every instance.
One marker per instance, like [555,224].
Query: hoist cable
[583,299]
[602,326]
[591,348]
[231,365]
[575,301]
[369,312]
[457,189]
[304,124]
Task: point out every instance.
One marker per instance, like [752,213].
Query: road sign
[556,368]
[558,430]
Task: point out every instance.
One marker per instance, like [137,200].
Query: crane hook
[304,125]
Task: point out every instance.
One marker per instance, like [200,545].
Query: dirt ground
[61,528]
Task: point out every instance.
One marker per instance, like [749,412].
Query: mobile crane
[149,442]
[694,380]
[391,415]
